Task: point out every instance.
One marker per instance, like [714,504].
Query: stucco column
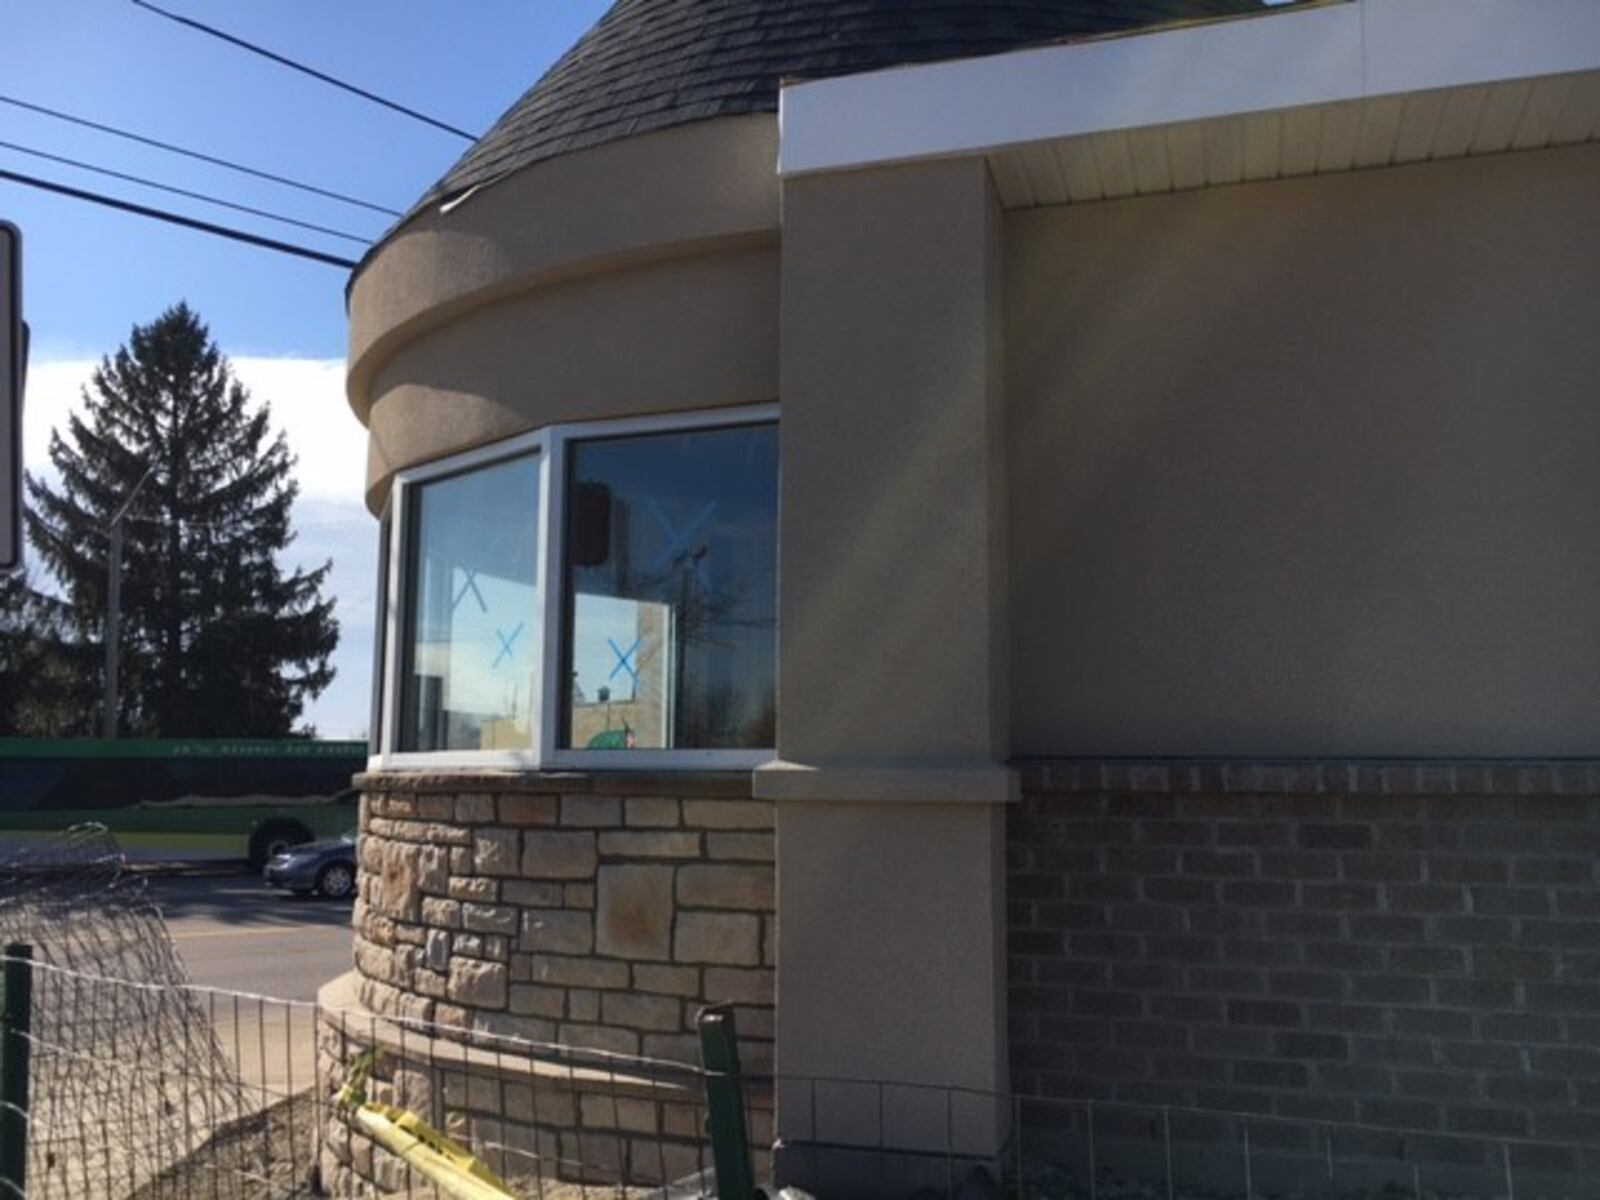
[892,702]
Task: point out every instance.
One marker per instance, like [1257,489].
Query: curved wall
[639,277]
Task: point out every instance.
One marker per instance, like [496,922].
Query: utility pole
[113,621]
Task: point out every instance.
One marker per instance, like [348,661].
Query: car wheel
[336,880]
[274,838]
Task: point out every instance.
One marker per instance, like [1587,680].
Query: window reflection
[671,591]
[472,638]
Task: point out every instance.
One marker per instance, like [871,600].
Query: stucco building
[1041,548]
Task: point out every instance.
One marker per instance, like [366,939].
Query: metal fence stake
[1249,1182]
[15,1028]
[730,1138]
[1511,1184]
[1094,1193]
[1166,1128]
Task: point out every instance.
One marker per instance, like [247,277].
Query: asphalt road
[234,932]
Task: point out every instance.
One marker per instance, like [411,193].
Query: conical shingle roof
[652,64]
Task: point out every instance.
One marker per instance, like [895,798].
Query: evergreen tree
[217,640]
[45,679]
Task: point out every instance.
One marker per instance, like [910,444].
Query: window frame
[550,444]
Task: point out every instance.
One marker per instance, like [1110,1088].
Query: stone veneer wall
[601,911]
[1413,949]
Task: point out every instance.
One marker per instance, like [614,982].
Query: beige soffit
[1306,90]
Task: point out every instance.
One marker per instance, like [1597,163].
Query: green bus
[178,796]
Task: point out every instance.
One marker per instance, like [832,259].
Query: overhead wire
[158,214]
[321,76]
[129,135]
[178,191]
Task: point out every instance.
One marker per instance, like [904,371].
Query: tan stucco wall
[891,606]
[892,701]
[633,278]
[661,336]
[1310,467]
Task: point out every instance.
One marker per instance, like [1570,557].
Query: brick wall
[1408,947]
[600,911]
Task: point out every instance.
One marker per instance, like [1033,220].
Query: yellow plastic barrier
[445,1163]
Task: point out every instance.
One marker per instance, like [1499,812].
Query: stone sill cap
[343,1011]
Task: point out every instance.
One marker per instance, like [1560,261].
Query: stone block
[579,895]
[716,885]
[727,814]
[461,860]
[740,847]
[634,917]
[731,938]
[473,887]
[474,810]
[591,812]
[528,810]
[661,844]
[558,855]
[600,1037]
[530,1000]
[583,1005]
[557,930]
[437,950]
[398,893]
[674,981]
[490,918]
[433,984]
[532,893]
[564,971]
[435,808]
[433,869]
[618,1112]
[657,1014]
[743,986]
[497,852]
[478,984]
[441,914]
[652,812]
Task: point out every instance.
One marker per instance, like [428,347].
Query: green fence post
[16,1015]
[730,1137]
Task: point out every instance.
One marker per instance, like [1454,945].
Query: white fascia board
[1417,45]
[1279,59]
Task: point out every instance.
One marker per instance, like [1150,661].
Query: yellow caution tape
[443,1162]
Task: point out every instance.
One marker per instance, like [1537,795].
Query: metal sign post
[13,362]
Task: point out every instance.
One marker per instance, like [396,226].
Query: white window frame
[551,446]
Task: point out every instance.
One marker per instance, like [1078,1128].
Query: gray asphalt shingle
[651,64]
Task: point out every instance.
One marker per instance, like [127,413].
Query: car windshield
[348,836]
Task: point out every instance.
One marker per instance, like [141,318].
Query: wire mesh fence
[146,1087]
[863,1137]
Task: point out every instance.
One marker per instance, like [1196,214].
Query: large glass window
[598,593]
[468,679]
[670,590]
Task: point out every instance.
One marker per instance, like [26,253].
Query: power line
[195,154]
[157,214]
[178,191]
[305,70]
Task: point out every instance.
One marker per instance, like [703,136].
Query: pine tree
[217,640]
[45,677]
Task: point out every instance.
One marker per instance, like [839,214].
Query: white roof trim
[1284,58]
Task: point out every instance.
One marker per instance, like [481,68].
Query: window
[599,595]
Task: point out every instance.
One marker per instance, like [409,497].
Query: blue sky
[91,274]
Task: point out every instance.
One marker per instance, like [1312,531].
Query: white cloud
[308,404]
[330,519]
